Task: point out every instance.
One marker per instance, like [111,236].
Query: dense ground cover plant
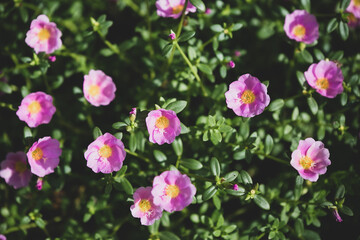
[178,119]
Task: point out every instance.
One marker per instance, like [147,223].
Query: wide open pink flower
[247,96]
[43,35]
[301,26]
[99,89]
[163,126]
[144,207]
[44,156]
[173,8]
[354,8]
[310,159]
[173,191]
[15,171]
[36,108]
[326,78]
[106,154]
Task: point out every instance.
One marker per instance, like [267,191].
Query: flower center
[105,151]
[322,83]
[299,31]
[306,162]
[247,97]
[356,3]
[37,154]
[34,107]
[178,9]
[44,34]
[144,205]
[162,122]
[94,90]
[20,166]
[172,191]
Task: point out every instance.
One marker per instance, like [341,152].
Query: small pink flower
[173,8]
[43,156]
[354,8]
[133,111]
[237,53]
[144,207]
[208,11]
[36,108]
[15,171]
[247,96]
[173,191]
[163,126]
[301,26]
[326,78]
[99,89]
[172,36]
[337,215]
[39,183]
[52,58]
[231,64]
[43,35]
[310,159]
[106,154]
[235,187]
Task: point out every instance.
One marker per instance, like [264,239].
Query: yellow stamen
[178,9]
[306,162]
[248,97]
[144,205]
[105,151]
[357,3]
[322,83]
[20,166]
[299,31]
[34,107]
[94,90]
[44,34]
[37,154]
[172,191]
[162,122]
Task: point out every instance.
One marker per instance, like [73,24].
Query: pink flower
[173,8]
[172,36]
[15,171]
[173,191]
[106,154]
[231,64]
[310,159]
[52,58]
[43,35]
[353,22]
[163,126]
[2,237]
[337,215]
[36,108]
[144,207]
[301,26]
[39,183]
[99,89]
[133,111]
[43,156]
[235,187]
[247,96]
[237,53]
[354,8]
[208,11]
[326,78]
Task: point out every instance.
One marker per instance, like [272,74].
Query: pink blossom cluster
[171,191]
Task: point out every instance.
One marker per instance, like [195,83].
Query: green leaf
[24,14]
[346,210]
[313,105]
[340,193]
[245,177]
[215,166]
[97,132]
[344,4]
[298,187]
[184,129]
[5,88]
[108,188]
[343,99]
[215,136]
[132,142]
[311,235]
[159,156]
[119,125]
[295,114]
[306,4]
[217,28]
[319,55]
[186,36]
[332,25]
[168,236]
[166,49]
[155,227]
[225,128]
[205,68]
[261,202]
[276,105]
[344,30]
[178,146]
[269,144]
[238,193]
[217,202]
[87,217]
[191,164]
[209,193]
[223,71]
[40,223]
[230,229]
[299,227]
[301,78]
[127,186]
[27,132]
[177,106]
[306,56]
[231,176]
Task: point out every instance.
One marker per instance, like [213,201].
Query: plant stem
[276,159]
[138,155]
[192,68]
[208,41]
